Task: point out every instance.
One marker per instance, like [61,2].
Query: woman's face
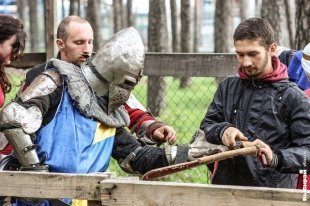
[6,49]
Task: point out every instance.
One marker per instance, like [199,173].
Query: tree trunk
[33,18]
[21,9]
[290,16]
[93,10]
[79,7]
[130,21]
[302,24]
[157,42]
[185,36]
[174,27]
[244,10]
[222,28]
[258,7]
[117,15]
[197,25]
[63,8]
[73,7]
[273,12]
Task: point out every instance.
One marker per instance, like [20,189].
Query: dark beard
[265,62]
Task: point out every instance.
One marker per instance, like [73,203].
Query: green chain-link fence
[185,110]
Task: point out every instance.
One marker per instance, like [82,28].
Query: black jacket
[275,112]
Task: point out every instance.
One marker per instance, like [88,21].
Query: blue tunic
[73,143]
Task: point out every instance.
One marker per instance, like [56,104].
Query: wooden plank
[50,27]
[190,65]
[52,185]
[167,64]
[29,60]
[119,192]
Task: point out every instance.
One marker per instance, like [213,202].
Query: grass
[185,110]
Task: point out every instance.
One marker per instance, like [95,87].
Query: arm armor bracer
[17,123]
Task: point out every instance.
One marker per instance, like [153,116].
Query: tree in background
[93,12]
[290,16]
[63,8]
[244,10]
[197,25]
[157,42]
[20,9]
[302,23]
[75,7]
[130,21]
[273,12]
[174,26]
[222,28]
[33,18]
[117,15]
[185,36]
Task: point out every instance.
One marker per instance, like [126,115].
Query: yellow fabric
[76,202]
[103,132]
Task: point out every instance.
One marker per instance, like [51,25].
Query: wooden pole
[50,7]
[163,171]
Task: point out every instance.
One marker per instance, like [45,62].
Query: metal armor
[117,67]
[19,123]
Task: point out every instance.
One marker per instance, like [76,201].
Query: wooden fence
[167,64]
[103,189]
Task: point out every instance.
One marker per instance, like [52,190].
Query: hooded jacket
[272,109]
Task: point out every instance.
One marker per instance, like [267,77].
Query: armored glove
[197,147]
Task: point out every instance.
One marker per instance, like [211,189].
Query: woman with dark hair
[12,44]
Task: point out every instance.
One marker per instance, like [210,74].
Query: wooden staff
[163,171]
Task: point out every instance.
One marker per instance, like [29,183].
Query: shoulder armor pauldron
[42,85]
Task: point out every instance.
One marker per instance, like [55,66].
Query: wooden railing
[167,64]
[103,189]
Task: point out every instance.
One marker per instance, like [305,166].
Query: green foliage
[185,110]
[16,79]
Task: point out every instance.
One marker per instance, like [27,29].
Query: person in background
[298,63]
[12,44]
[260,105]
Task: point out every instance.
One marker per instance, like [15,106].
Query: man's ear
[60,43]
[273,49]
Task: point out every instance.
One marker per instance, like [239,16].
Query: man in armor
[72,119]
[75,43]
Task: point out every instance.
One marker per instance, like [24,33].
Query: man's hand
[230,135]
[164,133]
[264,150]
